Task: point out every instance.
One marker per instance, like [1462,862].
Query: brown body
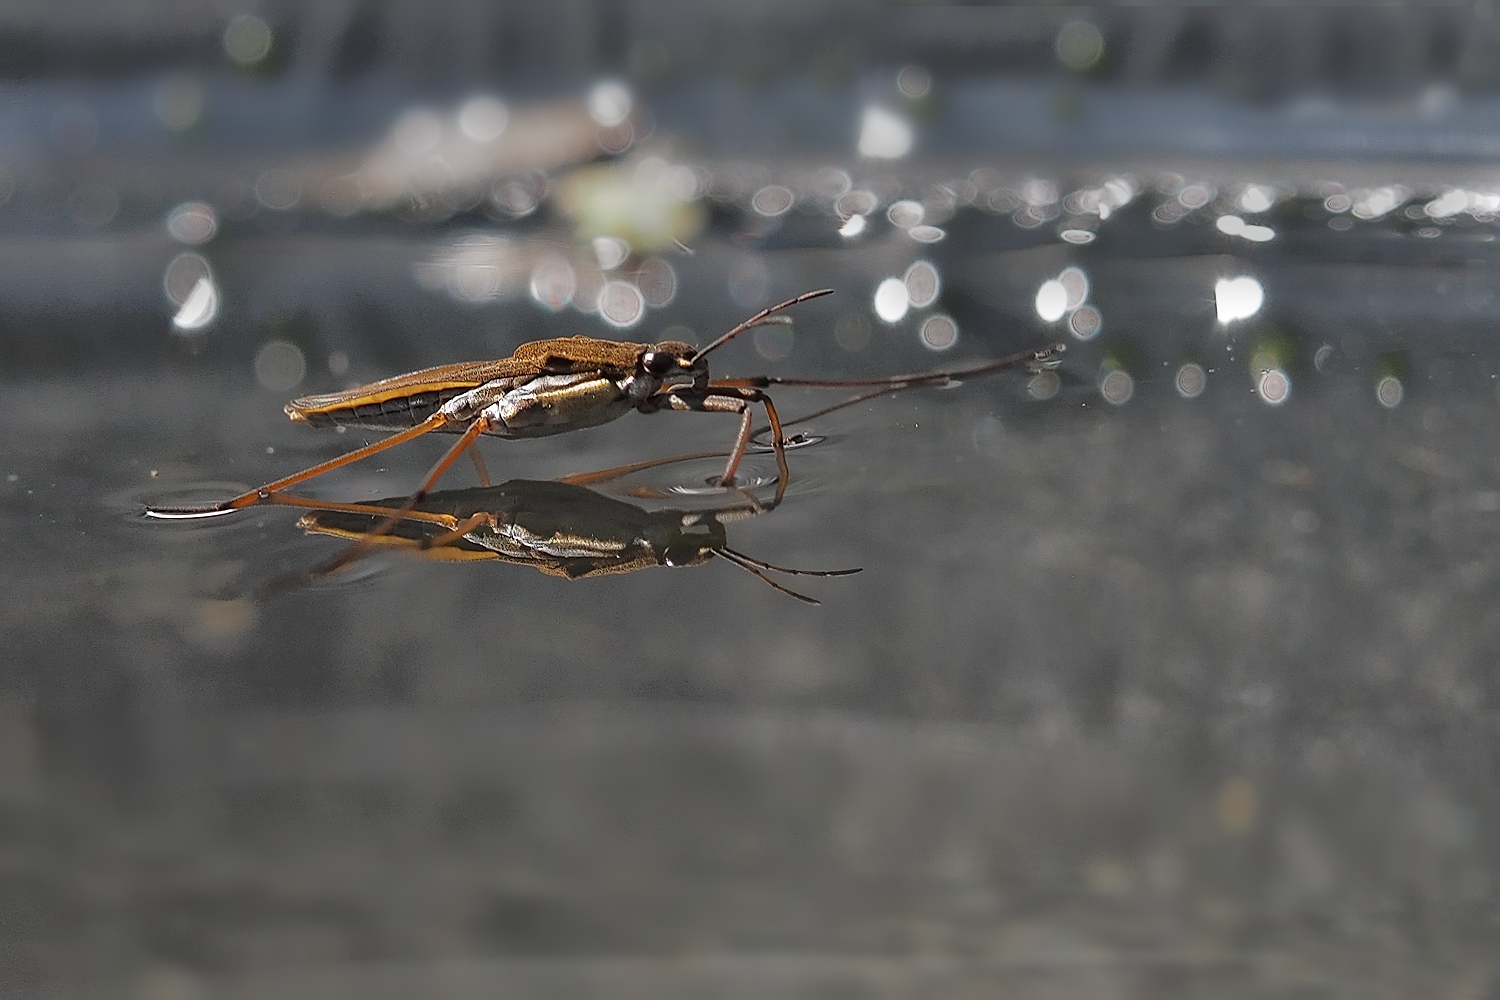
[559,385]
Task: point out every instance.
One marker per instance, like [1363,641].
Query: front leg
[731,399]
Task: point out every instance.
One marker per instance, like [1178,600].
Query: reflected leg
[478,427]
[479,466]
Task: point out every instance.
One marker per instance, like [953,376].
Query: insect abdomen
[394,413]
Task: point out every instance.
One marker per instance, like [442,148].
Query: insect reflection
[560,527]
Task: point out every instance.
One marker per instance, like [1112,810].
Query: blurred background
[1171,671]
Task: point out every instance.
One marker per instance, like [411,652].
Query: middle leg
[734,399]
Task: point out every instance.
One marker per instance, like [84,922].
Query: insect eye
[657,362]
[682,552]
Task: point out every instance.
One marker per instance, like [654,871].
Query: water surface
[1169,671]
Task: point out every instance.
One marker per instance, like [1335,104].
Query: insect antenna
[749,567]
[726,551]
[760,318]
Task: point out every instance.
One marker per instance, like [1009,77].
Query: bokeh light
[1039,191]
[193,223]
[938,333]
[1338,202]
[1101,201]
[1076,284]
[1456,200]
[483,118]
[280,366]
[1085,323]
[610,252]
[1043,385]
[891,301]
[1191,380]
[178,103]
[774,342]
[922,284]
[1389,392]
[1233,225]
[473,281]
[772,200]
[1256,198]
[183,274]
[1168,213]
[1051,300]
[278,189]
[200,307]
[1117,387]
[552,282]
[913,81]
[610,103]
[884,134]
[1238,298]
[827,183]
[515,199]
[1373,203]
[247,40]
[1274,386]
[906,213]
[1080,45]
[851,203]
[657,280]
[621,304]
[1194,196]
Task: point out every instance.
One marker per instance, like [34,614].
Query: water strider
[554,386]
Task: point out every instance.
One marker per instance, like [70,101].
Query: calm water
[1170,671]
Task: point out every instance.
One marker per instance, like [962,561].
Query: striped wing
[444,379]
[558,356]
